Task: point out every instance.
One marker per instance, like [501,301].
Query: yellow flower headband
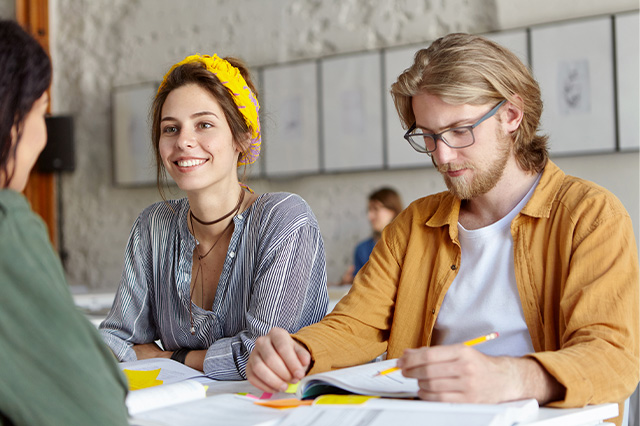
[242,95]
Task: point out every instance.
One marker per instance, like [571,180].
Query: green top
[54,367]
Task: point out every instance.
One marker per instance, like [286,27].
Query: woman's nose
[186,139]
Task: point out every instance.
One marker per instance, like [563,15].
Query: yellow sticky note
[342,399]
[293,387]
[141,379]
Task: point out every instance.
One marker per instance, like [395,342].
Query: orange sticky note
[283,403]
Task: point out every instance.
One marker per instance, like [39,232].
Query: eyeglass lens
[456,138]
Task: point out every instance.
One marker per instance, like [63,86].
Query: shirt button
[240,216]
[232,254]
[453,267]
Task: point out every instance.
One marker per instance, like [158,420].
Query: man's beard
[466,187]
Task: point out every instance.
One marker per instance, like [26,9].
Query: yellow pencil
[471,342]
[481,339]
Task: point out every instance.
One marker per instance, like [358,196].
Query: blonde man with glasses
[515,246]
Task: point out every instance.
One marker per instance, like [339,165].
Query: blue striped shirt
[274,274]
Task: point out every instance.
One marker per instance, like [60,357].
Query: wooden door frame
[41,191]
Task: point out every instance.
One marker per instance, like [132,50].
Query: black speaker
[59,153]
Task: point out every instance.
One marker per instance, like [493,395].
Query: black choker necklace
[213,222]
[202,256]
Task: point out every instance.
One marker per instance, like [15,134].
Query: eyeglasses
[456,137]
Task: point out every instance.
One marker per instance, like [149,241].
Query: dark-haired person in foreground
[515,246]
[54,367]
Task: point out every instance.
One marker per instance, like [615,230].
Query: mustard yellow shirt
[576,267]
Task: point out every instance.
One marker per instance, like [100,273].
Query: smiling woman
[208,274]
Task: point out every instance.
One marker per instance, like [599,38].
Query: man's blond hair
[468,69]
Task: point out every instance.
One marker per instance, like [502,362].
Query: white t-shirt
[483,297]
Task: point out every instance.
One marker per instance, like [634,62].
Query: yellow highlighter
[471,342]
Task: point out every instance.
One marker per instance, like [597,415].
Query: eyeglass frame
[436,136]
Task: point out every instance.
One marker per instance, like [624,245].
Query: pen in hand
[471,342]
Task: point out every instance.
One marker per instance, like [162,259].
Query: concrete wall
[7,9]
[101,44]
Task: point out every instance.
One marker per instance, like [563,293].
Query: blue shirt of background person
[384,205]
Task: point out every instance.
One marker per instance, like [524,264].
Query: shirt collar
[546,193]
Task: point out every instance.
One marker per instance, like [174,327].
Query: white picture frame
[628,79]
[399,153]
[352,112]
[290,101]
[133,157]
[573,63]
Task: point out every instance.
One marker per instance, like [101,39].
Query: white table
[220,407]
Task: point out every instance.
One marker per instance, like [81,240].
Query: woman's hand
[150,350]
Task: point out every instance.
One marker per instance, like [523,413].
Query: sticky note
[342,399]
[141,379]
[283,403]
[293,387]
[248,395]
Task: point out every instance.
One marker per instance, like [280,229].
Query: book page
[362,379]
[170,371]
[352,416]
[384,412]
[165,395]
[224,409]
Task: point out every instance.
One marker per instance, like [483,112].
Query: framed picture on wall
[290,101]
[352,112]
[133,158]
[399,152]
[628,71]
[573,62]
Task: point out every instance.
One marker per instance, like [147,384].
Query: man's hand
[458,373]
[276,361]
[150,350]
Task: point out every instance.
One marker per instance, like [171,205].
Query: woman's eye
[170,129]
[205,125]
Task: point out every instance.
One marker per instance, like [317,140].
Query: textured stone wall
[100,44]
[7,9]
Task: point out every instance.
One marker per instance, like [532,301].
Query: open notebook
[362,379]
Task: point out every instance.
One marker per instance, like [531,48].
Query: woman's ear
[242,145]
[13,136]
[512,115]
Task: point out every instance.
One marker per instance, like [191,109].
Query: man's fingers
[440,370]
[261,376]
[267,354]
[304,357]
[276,361]
[291,355]
[412,358]
[441,396]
